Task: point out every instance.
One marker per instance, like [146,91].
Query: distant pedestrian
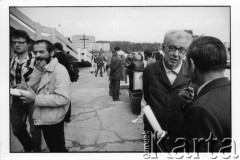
[99,61]
[116,75]
[149,58]
[108,72]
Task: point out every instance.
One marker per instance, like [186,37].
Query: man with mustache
[21,67]
[162,82]
[49,88]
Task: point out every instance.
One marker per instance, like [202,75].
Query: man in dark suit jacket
[116,75]
[208,116]
[162,81]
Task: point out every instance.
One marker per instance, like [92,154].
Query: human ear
[191,65]
[52,53]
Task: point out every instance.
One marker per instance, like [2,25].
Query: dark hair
[20,34]
[148,53]
[116,48]
[208,54]
[58,46]
[49,45]
[158,56]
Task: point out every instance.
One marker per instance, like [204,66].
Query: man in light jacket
[49,91]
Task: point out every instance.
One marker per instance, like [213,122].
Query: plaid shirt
[20,72]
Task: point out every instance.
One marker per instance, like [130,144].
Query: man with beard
[162,81]
[207,119]
[49,89]
[21,67]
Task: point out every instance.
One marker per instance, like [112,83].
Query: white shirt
[172,74]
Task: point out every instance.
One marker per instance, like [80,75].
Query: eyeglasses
[19,42]
[173,48]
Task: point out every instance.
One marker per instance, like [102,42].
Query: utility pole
[62,29]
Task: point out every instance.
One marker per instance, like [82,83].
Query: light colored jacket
[52,89]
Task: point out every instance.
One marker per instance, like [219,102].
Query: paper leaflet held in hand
[17,92]
[153,121]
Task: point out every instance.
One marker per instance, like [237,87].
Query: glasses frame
[19,42]
[173,48]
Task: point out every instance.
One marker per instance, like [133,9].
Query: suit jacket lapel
[160,71]
[181,77]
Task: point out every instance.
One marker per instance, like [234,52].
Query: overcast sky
[135,24]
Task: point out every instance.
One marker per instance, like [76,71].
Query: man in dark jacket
[62,59]
[208,116]
[116,75]
[162,81]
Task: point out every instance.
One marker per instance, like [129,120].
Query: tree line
[131,46]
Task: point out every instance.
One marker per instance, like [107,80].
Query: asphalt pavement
[98,123]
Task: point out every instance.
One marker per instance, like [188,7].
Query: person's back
[62,59]
[61,56]
[208,116]
[99,59]
[220,95]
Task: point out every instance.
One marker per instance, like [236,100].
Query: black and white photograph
[119,81]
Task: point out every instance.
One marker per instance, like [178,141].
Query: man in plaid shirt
[21,67]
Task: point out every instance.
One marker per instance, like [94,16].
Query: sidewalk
[98,124]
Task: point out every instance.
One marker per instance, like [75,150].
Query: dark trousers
[67,117]
[19,113]
[110,87]
[131,81]
[54,137]
[99,66]
[115,88]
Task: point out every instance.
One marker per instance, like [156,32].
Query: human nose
[176,53]
[16,43]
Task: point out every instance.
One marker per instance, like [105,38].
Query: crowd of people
[184,86]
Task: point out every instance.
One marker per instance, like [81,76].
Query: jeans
[99,66]
[115,88]
[54,137]
[19,113]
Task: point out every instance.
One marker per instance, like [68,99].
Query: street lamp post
[62,29]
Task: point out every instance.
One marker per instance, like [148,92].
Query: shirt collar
[50,67]
[201,87]
[176,70]
[17,60]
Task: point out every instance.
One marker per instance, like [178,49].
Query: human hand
[187,94]
[28,97]
[40,64]
[22,85]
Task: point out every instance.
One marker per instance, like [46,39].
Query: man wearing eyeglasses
[21,67]
[162,82]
